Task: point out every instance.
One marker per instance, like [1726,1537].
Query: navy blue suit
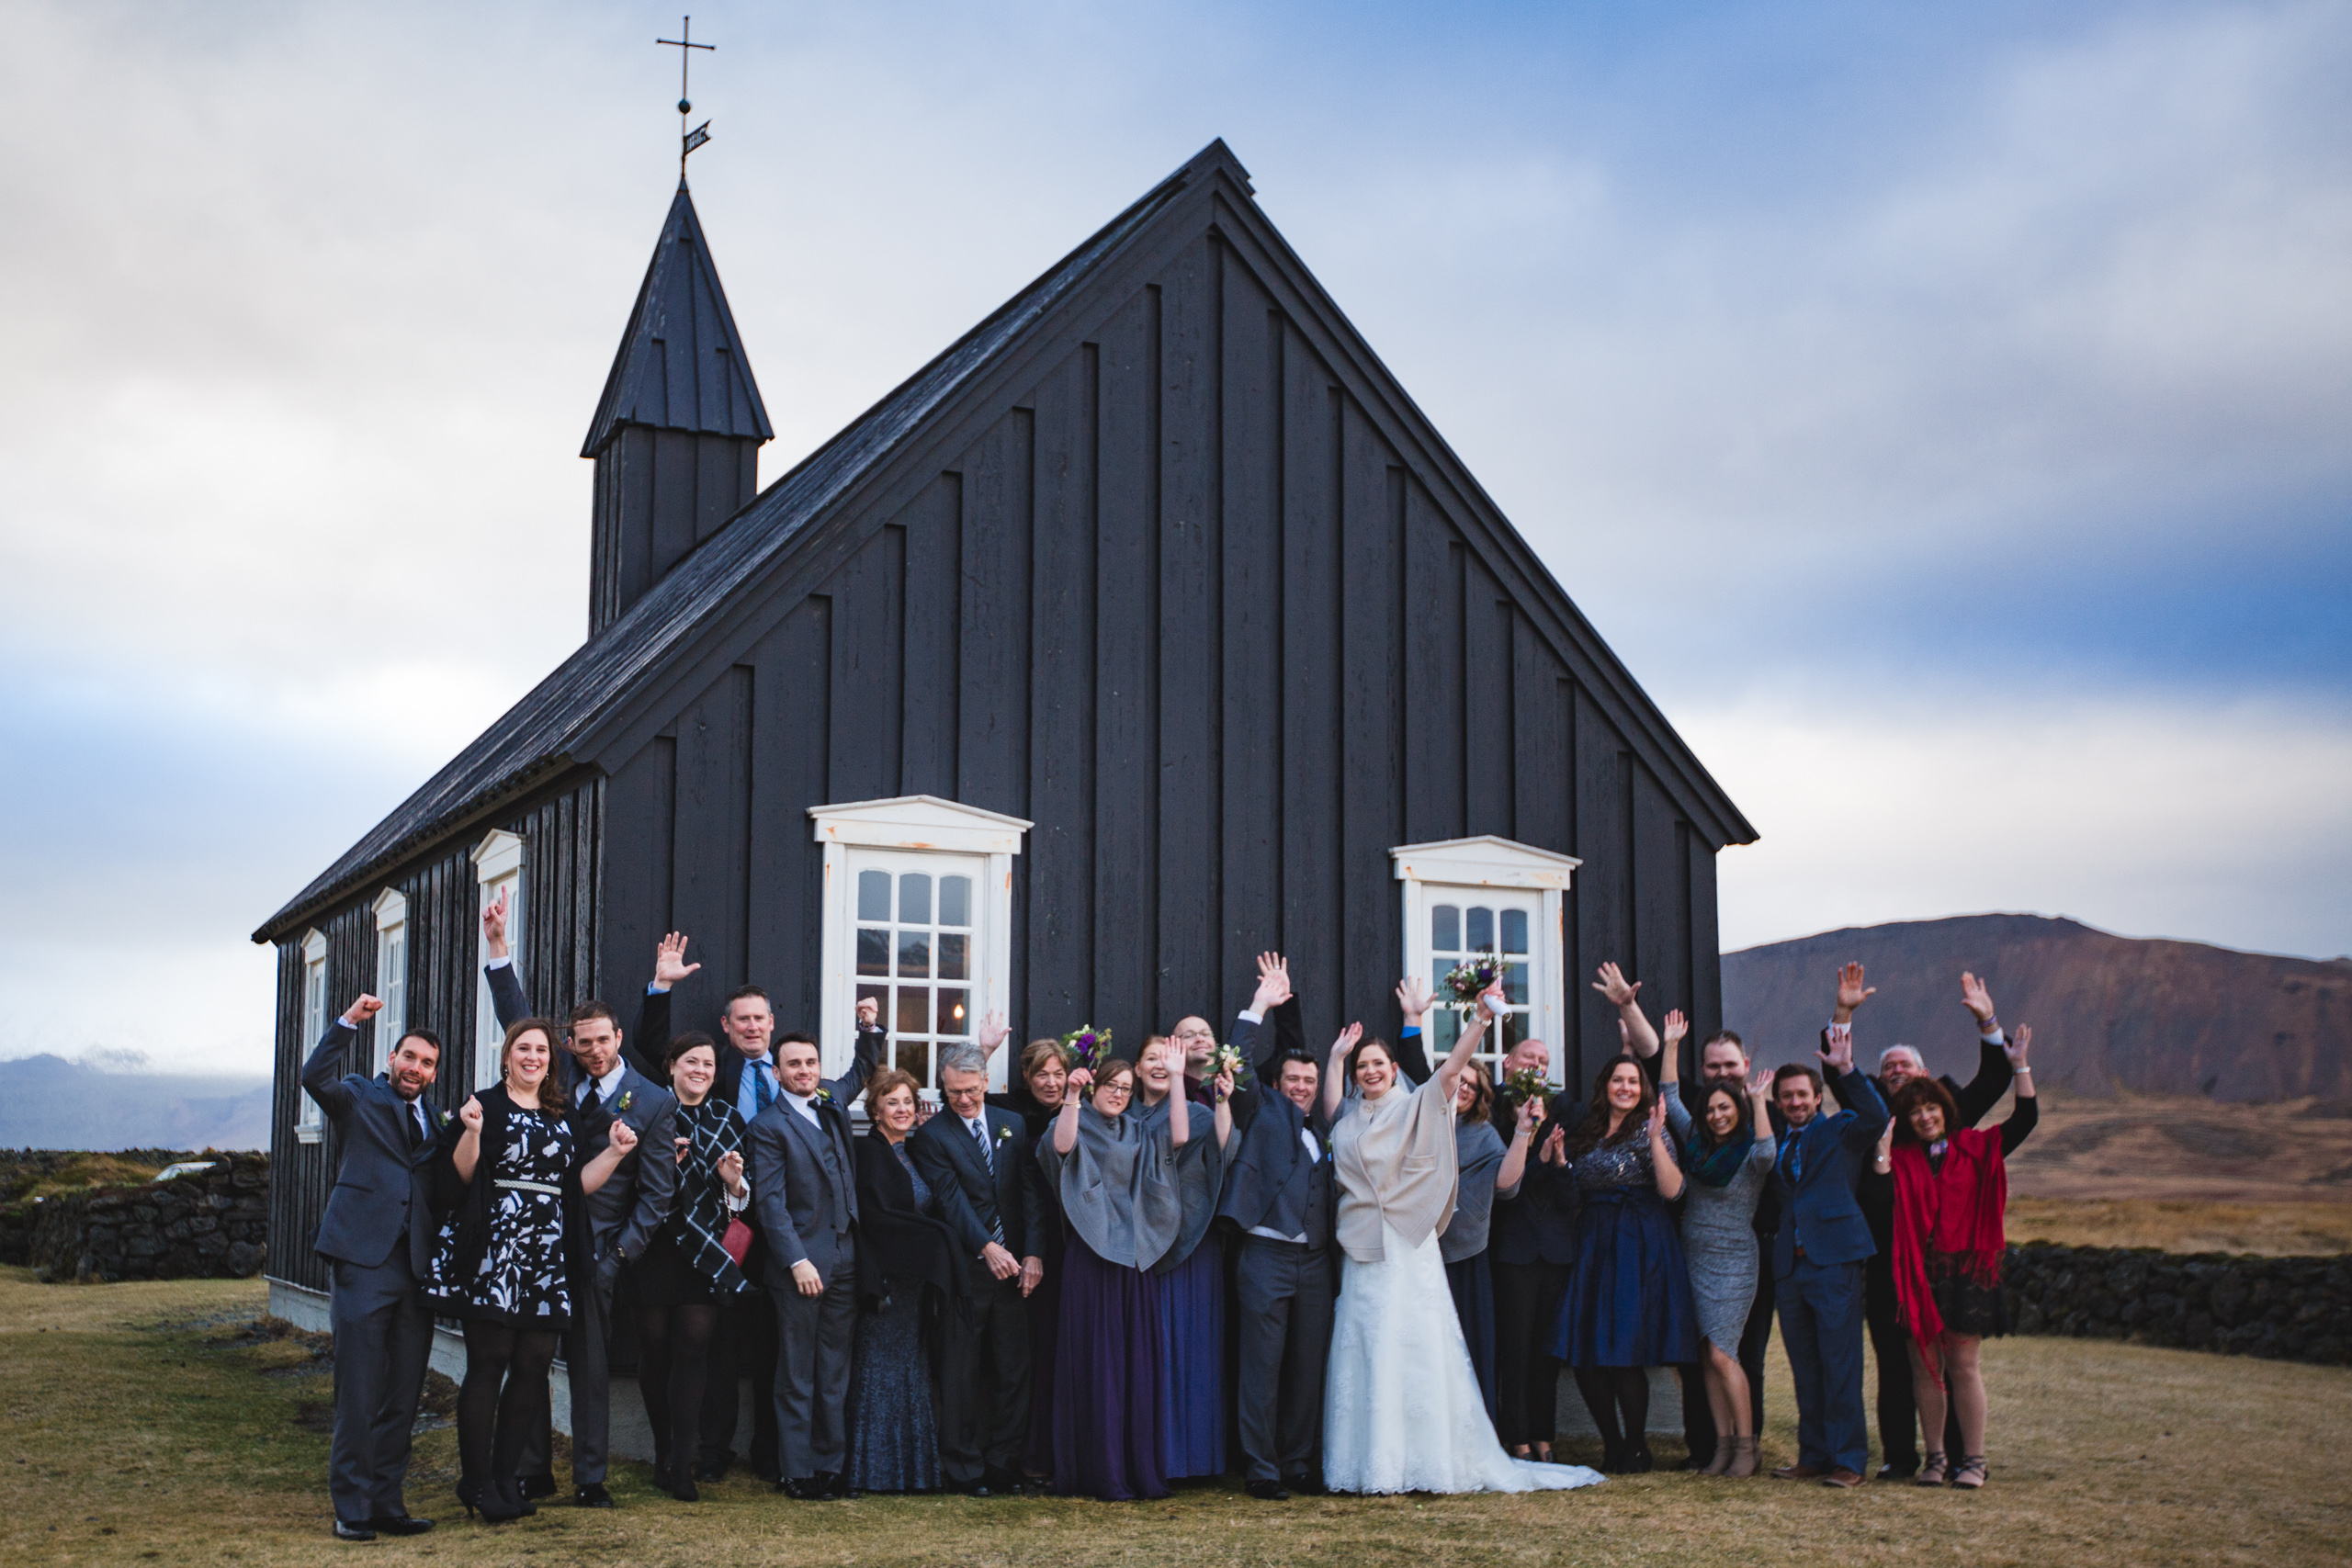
[1817,1256]
[376,1236]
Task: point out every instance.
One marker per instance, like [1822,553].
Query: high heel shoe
[502,1501]
[1638,1461]
[1612,1457]
[470,1494]
[1724,1449]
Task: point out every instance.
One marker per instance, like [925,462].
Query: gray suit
[622,1215]
[804,1190]
[376,1236]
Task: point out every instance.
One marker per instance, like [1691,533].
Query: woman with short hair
[511,1176]
[1951,1189]
[685,1274]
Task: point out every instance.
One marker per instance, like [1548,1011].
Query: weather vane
[687,140]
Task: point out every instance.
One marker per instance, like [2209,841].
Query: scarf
[1397,1164]
[1956,1210]
[699,1218]
[1119,1187]
[1716,1167]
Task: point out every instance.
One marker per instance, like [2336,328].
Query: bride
[1401,1407]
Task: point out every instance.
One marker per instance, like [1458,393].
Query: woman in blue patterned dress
[511,1180]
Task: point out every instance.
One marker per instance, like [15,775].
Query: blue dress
[1629,1292]
[893,1434]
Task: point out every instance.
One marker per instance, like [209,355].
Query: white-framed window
[498,867]
[391,973]
[919,917]
[307,1122]
[1487,895]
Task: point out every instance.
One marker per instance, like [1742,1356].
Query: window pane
[1482,929]
[914,955]
[951,960]
[1515,985]
[912,1056]
[1514,930]
[952,1022]
[873,952]
[914,898]
[955,900]
[873,895]
[1444,1027]
[914,1009]
[1445,928]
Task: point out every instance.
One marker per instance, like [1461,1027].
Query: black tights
[672,1363]
[1607,1390]
[499,1402]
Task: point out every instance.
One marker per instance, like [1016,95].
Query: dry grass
[2275,1230]
[144,1423]
[2183,1149]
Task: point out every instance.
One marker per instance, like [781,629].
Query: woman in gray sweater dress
[1728,1161]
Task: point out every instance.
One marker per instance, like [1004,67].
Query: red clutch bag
[736,1242]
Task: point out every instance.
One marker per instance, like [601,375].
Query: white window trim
[309,1124]
[498,862]
[1487,860]
[913,823]
[391,909]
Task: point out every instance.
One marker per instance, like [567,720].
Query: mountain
[2109,1012]
[47,1102]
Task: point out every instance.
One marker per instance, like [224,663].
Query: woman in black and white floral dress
[512,1184]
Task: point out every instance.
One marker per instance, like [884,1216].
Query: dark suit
[804,1190]
[984,1383]
[1898,1409]
[1284,1287]
[376,1236]
[622,1215]
[1818,1256]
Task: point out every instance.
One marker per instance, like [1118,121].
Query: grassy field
[149,1422]
[2276,1230]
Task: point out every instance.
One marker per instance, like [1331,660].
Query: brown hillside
[2109,1012]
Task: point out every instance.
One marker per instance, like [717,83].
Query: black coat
[469,1202]
[900,1248]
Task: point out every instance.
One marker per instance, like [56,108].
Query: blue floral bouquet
[1087,1047]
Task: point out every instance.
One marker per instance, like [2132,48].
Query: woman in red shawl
[1952,1186]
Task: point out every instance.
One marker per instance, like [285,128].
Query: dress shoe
[977,1489]
[1638,1460]
[399,1523]
[345,1531]
[831,1484]
[539,1485]
[592,1495]
[707,1472]
[808,1489]
[1842,1477]
[1898,1470]
[1796,1472]
[1304,1485]
[1269,1491]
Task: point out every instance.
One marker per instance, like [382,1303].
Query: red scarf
[1957,1209]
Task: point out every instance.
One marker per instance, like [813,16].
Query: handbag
[736,1242]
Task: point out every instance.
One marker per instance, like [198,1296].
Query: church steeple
[677,434]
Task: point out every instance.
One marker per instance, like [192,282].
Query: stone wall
[208,1224]
[2294,1309]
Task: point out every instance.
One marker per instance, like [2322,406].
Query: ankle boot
[1743,1458]
[1722,1462]
[501,1500]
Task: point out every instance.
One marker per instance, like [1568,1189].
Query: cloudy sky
[1945,409]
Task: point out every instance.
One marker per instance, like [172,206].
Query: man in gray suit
[804,1189]
[376,1236]
[623,1214]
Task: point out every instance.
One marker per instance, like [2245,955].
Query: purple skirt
[1108,1436]
[1191,1317]
[1044,1332]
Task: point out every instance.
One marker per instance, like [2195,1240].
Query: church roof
[681,365]
[534,739]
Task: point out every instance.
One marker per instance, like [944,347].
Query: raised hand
[1657,1118]
[1080,1078]
[1677,1027]
[1759,1084]
[1274,983]
[869,1012]
[470,1114]
[2019,1042]
[1413,999]
[993,1031]
[364,1008]
[622,1136]
[1852,992]
[1225,1085]
[1345,1044]
[730,1170]
[493,925]
[1975,999]
[1839,1056]
[1490,1002]
[1555,1147]
[1531,1117]
[670,965]
[1613,985]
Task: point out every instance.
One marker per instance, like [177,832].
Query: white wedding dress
[1401,1407]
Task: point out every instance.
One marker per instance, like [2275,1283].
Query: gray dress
[1719,1240]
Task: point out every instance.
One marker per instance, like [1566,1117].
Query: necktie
[763,1088]
[415,1120]
[988,1163]
[588,1092]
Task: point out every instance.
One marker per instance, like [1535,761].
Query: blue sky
[1946,411]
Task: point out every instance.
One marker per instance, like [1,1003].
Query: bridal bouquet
[1087,1047]
[1527,1084]
[1229,1059]
[1474,974]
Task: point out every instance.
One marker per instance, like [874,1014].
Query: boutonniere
[628,1095]
[824,1097]
[1002,1134]
[440,1117]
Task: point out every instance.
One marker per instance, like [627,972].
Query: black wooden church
[1150,625]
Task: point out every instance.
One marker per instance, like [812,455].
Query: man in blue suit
[1818,1252]
[376,1236]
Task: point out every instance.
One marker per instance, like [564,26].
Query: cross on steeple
[686,46]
